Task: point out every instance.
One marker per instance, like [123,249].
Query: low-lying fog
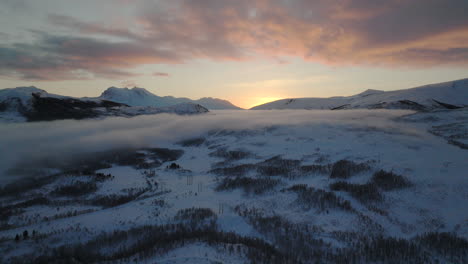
[29,141]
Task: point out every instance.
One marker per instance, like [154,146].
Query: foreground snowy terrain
[355,186]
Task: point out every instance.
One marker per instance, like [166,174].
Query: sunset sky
[246,51]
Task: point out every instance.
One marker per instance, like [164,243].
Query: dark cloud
[413,20]
[60,58]
[90,28]
[414,33]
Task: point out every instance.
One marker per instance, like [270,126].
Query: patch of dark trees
[76,188]
[291,243]
[26,184]
[13,209]
[234,171]
[362,192]
[390,181]
[112,200]
[454,133]
[301,243]
[431,247]
[230,155]
[276,166]
[453,248]
[192,142]
[309,197]
[138,158]
[316,169]
[370,191]
[89,163]
[138,244]
[173,166]
[248,185]
[240,133]
[344,169]
[195,214]
[297,242]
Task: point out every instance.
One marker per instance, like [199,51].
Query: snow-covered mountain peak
[369,92]
[13,99]
[133,97]
[141,97]
[135,91]
[23,93]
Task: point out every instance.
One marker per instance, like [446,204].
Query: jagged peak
[135,90]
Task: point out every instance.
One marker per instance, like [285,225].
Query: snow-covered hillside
[32,104]
[14,98]
[142,97]
[272,187]
[434,96]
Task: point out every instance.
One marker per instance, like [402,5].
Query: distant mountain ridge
[33,104]
[446,95]
[141,97]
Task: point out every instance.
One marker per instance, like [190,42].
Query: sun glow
[250,102]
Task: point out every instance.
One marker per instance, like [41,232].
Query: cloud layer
[68,139]
[391,33]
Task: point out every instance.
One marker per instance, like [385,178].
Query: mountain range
[142,97]
[33,104]
[447,95]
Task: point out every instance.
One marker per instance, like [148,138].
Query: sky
[246,51]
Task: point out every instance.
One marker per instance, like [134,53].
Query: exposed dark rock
[49,108]
[448,106]
[341,107]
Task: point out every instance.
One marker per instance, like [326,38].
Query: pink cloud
[417,33]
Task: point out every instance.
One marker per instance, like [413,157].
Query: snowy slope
[216,103]
[12,98]
[433,96]
[142,97]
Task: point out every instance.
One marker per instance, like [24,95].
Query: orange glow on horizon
[253,101]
